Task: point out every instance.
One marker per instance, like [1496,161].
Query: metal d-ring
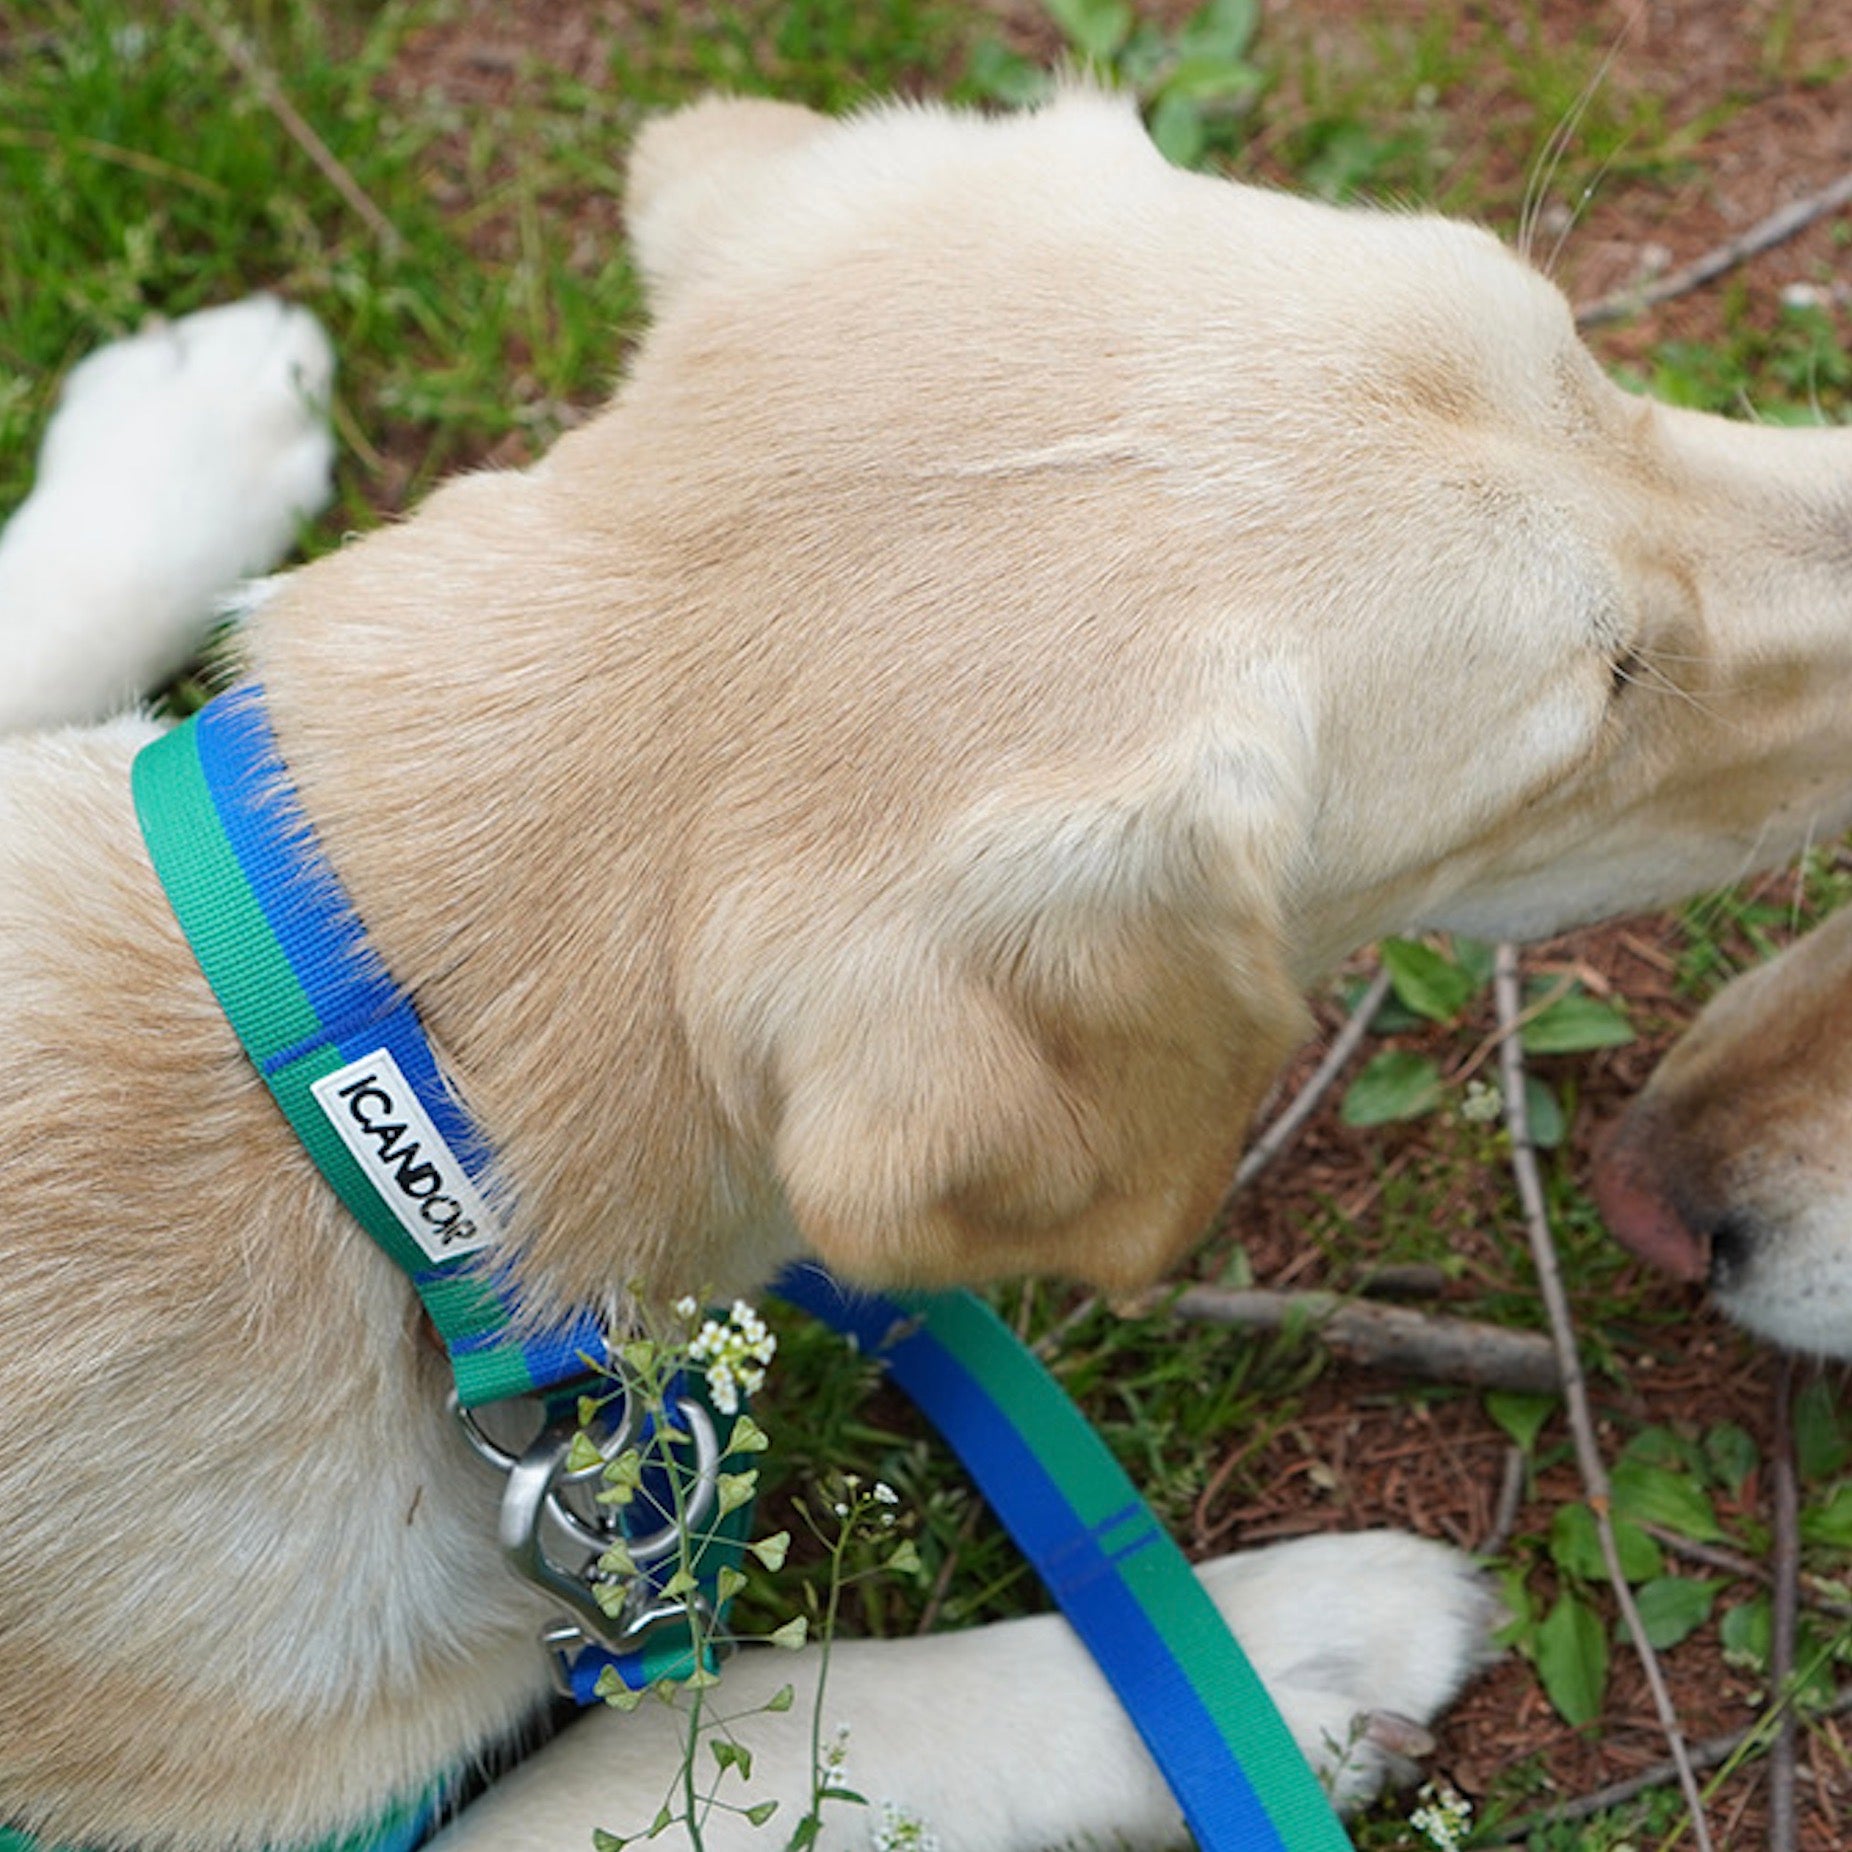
[534,1479]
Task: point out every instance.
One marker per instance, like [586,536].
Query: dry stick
[1282,1131]
[1711,1753]
[1392,1337]
[1782,1605]
[1794,217]
[1512,1476]
[270,94]
[1575,1391]
[1813,1592]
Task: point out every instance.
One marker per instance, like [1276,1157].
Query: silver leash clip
[554,1530]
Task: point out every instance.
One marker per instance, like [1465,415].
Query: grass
[142,175]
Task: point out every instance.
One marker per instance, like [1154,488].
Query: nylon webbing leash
[1124,1586]
[342,1050]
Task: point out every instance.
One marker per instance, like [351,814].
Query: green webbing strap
[338,1044]
[1125,1587]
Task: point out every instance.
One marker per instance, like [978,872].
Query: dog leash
[1123,1584]
[342,1050]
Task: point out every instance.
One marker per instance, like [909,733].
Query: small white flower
[884,1494]
[1482,1103]
[1444,1817]
[734,1354]
[685,1306]
[902,1830]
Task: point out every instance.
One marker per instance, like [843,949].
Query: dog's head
[1735,1164]
[1036,609]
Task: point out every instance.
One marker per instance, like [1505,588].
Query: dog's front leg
[1006,1738]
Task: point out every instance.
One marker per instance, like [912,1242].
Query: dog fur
[1731,1166]
[880,789]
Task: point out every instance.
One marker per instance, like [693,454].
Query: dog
[1729,1167]
[879,791]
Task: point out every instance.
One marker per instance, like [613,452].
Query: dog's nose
[1632,1190]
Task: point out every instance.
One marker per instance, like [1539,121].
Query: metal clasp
[553,1530]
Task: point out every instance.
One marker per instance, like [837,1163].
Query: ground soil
[1763,90]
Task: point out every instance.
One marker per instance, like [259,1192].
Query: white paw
[179,461]
[1363,1640]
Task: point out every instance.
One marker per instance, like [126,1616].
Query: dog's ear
[693,173]
[1047,1062]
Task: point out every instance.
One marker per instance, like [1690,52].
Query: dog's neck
[515,890]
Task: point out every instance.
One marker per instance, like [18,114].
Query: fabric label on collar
[376,1114]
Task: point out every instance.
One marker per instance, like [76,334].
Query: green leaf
[1521,1416]
[1544,1114]
[1397,1084]
[732,1755]
[1223,29]
[732,1490]
[1744,1634]
[1822,1435]
[1006,76]
[1673,1607]
[1572,1659]
[1663,1446]
[1674,1501]
[1476,957]
[1575,1547]
[1427,981]
[583,1454]
[615,1692]
[1176,127]
[771,1551]
[1731,1454]
[1520,1629]
[747,1437]
[1574,1024]
[617,1560]
[1096,27]
[1831,1521]
[1212,80]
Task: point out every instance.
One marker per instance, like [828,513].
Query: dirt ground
[1364,1451]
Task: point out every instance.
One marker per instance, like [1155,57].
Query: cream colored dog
[878,790]
[1732,1166]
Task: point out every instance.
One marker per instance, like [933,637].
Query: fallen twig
[1813,1593]
[270,93]
[1344,1044]
[1390,1337]
[1713,1752]
[1512,1476]
[1575,1390]
[1785,1496]
[1779,226]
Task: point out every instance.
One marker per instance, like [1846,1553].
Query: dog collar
[342,1050]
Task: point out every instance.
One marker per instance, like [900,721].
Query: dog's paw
[179,462]
[1363,1640]
[238,394]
